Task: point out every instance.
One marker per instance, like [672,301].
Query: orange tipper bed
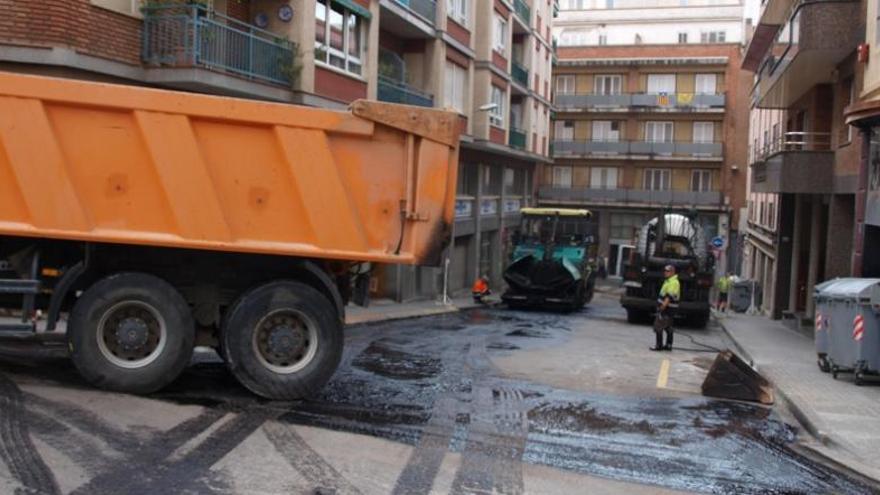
[129,165]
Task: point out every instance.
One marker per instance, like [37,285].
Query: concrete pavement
[844,417]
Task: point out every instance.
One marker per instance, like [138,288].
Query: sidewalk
[386,309]
[843,416]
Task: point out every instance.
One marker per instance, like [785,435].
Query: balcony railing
[793,141]
[520,74]
[178,35]
[605,148]
[396,92]
[523,11]
[640,196]
[517,138]
[426,9]
[640,100]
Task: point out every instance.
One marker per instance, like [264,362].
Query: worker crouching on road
[670,293]
[480,289]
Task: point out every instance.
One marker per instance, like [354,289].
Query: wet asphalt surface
[427,384]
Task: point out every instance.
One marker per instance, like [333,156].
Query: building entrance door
[618,255]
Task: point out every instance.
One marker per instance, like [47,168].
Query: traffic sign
[718,242]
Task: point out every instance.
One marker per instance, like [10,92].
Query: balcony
[187,36]
[520,74]
[682,102]
[397,92]
[636,149]
[805,52]
[586,195]
[517,139]
[409,19]
[798,162]
[523,11]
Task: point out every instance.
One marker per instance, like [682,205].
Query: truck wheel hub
[132,333]
[285,341]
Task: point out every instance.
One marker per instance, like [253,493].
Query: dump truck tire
[636,317]
[131,332]
[699,320]
[282,340]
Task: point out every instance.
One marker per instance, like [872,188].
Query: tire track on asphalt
[147,457]
[73,443]
[427,456]
[301,457]
[16,447]
[83,420]
[492,458]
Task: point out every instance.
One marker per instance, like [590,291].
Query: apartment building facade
[651,113]
[804,170]
[487,60]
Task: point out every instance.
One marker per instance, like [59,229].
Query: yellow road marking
[663,376]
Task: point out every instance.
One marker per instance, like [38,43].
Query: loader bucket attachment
[732,378]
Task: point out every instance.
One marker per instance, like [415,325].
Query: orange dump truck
[158,220]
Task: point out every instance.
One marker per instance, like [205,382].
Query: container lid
[847,288]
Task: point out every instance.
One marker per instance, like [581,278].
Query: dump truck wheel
[131,332]
[282,340]
[636,316]
[698,320]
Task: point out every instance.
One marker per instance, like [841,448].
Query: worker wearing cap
[670,293]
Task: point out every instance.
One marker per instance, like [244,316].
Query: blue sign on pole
[718,242]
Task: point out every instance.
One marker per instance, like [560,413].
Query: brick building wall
[76,24]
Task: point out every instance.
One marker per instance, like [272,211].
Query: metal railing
[584,147]
[642,196]
[523,11]
[519,73]
[191,35]
[426,9]
[793,141]
[397,92]
[622,100]
[517,138]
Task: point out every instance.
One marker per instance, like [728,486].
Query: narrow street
[483,401]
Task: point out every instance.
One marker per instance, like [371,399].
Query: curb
[803,418]
[369,320]
[439,310]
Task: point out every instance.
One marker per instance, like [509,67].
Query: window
[606,131]
[607,85]
[657,179]
[661,84]
[561,176]
[458,11]
[496,115]
[706,84]
[563,130]
[128,7]
[338,37]
[603,178]
[624,226]
[704,132]
[774,145]
[701,180]
[499,34]
[573,38]
[658,132]
[455,87]
[682,37]
[713,36]
[565,85]
[573,4]
[603,39]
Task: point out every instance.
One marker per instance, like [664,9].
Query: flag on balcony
[685,98]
